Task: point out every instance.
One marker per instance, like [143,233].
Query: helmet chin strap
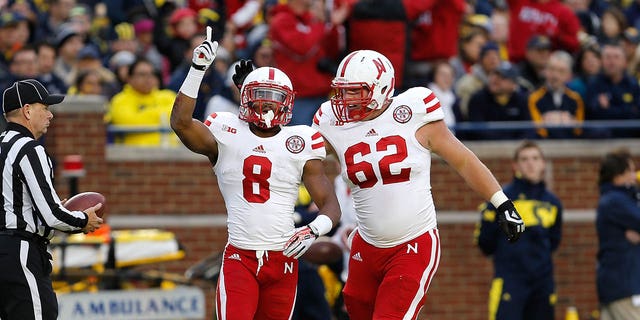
[268,118]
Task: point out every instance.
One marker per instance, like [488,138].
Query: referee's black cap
[27,91]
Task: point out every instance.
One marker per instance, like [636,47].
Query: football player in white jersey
[384,144]
[259,164]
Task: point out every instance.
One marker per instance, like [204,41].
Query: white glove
[300,242]
[205,53]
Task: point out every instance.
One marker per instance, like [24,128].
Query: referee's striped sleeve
[37,173]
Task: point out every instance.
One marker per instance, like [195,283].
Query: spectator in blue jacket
[523,287]
[618,225]
[614,94]
[500,100]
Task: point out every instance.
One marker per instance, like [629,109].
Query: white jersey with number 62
[386,167]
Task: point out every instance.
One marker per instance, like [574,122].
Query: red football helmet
[362,69]
[266,98]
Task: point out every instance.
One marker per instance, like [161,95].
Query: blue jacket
[618,270]
[529,257]
[624,98]
[484,107]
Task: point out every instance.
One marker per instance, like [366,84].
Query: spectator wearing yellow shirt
[142,103]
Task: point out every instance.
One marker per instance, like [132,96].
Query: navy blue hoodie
[529,257]
[618,270]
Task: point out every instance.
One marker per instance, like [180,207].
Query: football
[85,200]
[323,251]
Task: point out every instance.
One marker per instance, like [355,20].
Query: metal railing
[124,129]
[524,125]
[460,127]
[167,138]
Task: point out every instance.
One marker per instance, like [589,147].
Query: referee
[31,209]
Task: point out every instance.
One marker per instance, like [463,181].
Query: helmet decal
[380,67]
[346,62]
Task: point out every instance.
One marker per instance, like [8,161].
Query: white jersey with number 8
[259,178]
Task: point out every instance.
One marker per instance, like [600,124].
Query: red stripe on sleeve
[213,116]
[434,107]
[428,99]
[316,117]
[317,145]
[316,136]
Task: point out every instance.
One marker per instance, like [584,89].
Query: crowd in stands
[550,65]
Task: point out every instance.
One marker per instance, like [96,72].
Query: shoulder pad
[219,117]
[423,103]
[311,139]
[323,115]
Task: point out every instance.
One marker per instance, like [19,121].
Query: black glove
[509,221]
[242,70]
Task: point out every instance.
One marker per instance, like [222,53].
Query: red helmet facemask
[348,106]
[266,105]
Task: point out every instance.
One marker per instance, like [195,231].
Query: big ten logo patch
[226,128]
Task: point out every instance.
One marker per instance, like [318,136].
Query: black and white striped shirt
[30,202]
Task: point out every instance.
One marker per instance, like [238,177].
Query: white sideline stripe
[31,280]
[222,291]
[427,276]
[220,220]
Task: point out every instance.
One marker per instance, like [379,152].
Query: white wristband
[321,225]
[191,84]
[498,198]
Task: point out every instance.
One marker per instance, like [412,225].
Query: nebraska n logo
[380,66]
[412,247]
[288,267]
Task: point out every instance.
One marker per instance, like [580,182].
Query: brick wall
[162,182]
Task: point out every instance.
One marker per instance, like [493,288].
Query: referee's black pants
[26,292]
